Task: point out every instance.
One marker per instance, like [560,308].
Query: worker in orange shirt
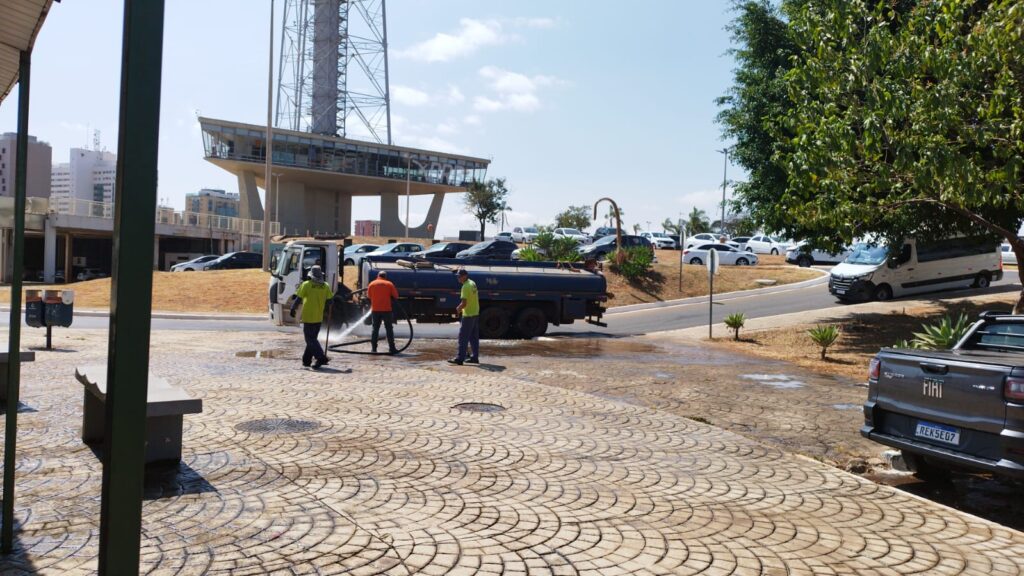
[381,292]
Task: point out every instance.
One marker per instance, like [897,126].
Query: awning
[20,21]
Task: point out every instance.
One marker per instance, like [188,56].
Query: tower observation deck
[332,130]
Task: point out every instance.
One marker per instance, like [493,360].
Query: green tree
[577,217]
[486,201]
[671,227]
[697,222]
[609,216]
[900,119]
[736,321]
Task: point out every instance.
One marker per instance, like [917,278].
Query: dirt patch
[863,334]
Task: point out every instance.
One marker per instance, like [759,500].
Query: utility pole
[408,170]
[269,148]
[725,167]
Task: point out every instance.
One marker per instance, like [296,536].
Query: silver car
[194,265]
[354,253]
[395,249]
[729,255]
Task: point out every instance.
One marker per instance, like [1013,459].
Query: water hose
[339,347]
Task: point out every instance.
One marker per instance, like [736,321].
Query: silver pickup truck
[962,407]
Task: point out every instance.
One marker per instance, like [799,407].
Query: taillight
[685,252]
[1014,388]
[874,368]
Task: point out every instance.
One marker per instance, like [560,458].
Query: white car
[661,240]
[354,254]
[702,238]
[395,249]
[573,233]
[726,255]
[1009,257]
[802,255]
[524,234]
[506,236]
[194,265]
[765,245]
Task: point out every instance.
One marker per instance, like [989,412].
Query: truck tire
[531,322]
[982,281]
[883,293]
[494,322]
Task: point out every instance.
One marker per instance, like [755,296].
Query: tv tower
[333,69]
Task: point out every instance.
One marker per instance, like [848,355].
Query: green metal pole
[135,202]
[14,334]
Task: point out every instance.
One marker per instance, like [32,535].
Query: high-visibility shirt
[472,298]
[315,296]
[380,292]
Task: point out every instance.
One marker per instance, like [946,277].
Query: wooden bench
[166,406]
[24,356]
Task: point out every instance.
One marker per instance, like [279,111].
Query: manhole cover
[277,426]
[480,407]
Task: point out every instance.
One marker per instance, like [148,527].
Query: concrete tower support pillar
[249,206]
[326,39]
[49,251]
[392,225]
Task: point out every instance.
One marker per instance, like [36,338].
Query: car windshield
[384,249]
[571,231]
[530,230]
[605,240]
[478,247]
[867,254]
[202,259]
[436,248]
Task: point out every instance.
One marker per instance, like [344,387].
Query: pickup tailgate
[958,391]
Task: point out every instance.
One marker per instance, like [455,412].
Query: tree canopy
[577,217]
[697,221]
[486,201]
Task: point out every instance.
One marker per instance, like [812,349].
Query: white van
[871,272]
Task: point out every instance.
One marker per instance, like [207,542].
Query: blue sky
[572,100]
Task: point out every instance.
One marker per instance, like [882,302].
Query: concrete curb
[723,296]
[173,315]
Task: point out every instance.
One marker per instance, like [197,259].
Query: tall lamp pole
[269,148]
[408,173]
[725,167]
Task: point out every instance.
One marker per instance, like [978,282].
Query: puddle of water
[551,347]
[277,353]
[781,381]
[847,406]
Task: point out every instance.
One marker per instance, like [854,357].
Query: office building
[368,228]
[85,185]
[39,158]
[210,201]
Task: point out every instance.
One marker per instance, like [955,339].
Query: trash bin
[34,308]
[60,306]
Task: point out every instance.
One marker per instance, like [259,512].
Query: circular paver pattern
[391,476]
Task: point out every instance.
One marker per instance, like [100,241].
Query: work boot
[392,351]
[473,361]
[320,362]
[455,361]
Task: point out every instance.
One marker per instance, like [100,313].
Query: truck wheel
[804,261]
[982,281]
[696,261]
[883,293]
[494,322]
[924,468]
[531,322]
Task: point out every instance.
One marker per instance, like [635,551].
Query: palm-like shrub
[735,322]
[633,263]
[941,336]
[824,336]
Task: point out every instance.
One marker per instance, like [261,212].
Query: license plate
[938,432]
[840,291]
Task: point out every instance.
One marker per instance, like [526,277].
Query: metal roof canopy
[19,25]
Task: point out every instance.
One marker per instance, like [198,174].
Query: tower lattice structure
[333,69]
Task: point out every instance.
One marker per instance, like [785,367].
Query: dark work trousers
[469,336]
[388,319]
[313,348]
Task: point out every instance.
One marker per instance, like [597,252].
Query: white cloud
[471,36]
[408,96]
[514,91]
[541,23]
[473,120]
[455,96]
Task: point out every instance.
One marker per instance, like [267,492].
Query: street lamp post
[269,148]
[725,167]
[408,175]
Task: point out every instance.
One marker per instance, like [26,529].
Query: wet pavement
[605,457]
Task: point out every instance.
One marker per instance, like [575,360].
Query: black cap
[462,272]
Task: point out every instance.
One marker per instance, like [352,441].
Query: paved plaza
[380,471]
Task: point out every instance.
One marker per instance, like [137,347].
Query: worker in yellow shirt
[469,325]
[315,295]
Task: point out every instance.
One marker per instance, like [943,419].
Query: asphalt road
[684,314]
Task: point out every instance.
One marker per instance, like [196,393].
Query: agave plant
[735,322]
[824,336]
[941,336]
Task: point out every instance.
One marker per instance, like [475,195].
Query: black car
[237,260]
[602,232]
[444,250]
[489,250]
[602,248]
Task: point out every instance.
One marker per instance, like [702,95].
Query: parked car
[702,238]
[602,248]
[354,254]
[506,236]
[661,240]
[488,250]
[443,250]
[602,232]
[195,265]
[90,274]
[236,260]
[516,253]
[740,242]
[727,255]
[58,276]
[962,407]
[524,234]
[573,233]
[1008,255]
[873,272]
[763,244]
[400,249]
[804,256]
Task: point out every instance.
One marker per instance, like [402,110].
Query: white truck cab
[292,269]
